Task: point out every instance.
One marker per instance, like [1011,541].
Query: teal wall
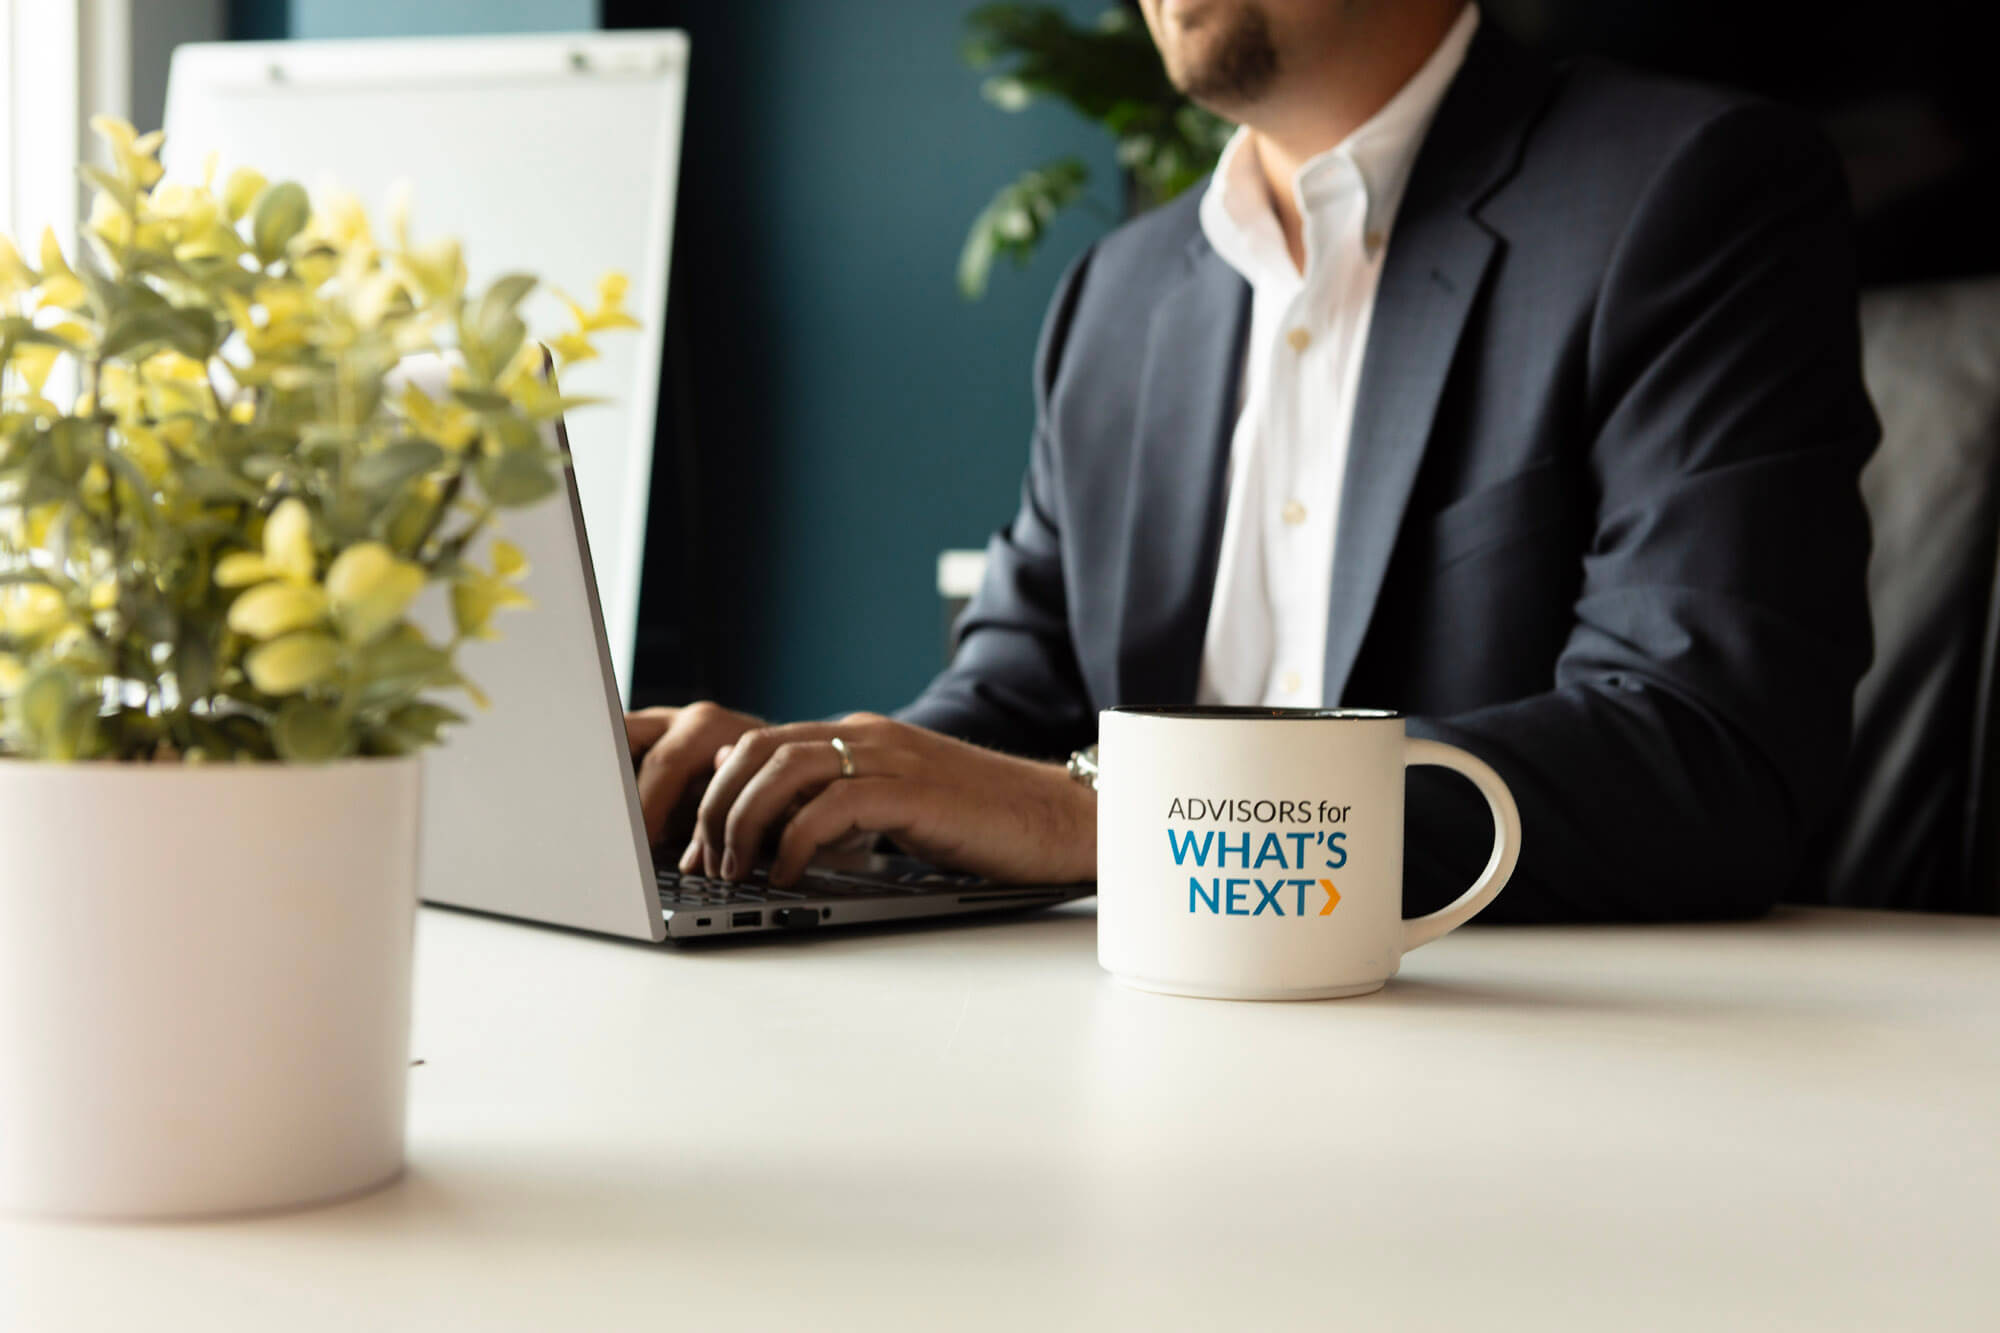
[852,416]
[259,20]
[855,416]
[423,18]
[269,20]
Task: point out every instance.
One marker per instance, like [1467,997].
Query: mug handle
[1506,840]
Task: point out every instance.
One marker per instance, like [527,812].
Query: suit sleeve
[1696,730]
[1014,683]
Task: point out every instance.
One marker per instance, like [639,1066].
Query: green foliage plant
[213,553]
[1109,74]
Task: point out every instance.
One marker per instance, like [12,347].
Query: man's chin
[1214,102]
[1196,68]
[1218,58]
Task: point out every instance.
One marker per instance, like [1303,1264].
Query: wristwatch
[1083,766]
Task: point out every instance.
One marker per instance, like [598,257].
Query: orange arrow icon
[1332,897]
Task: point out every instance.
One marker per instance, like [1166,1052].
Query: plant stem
[446,498]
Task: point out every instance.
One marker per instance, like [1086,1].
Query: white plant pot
[204,984]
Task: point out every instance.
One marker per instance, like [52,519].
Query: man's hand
[948,802]
[677,749]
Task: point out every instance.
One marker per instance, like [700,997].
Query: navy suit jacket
[1601,523]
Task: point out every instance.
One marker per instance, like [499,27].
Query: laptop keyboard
[678,890]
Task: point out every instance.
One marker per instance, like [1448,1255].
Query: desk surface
[1793,1124]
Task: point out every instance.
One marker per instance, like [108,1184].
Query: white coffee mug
[1257,853]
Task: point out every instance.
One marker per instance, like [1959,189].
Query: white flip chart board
[555,155]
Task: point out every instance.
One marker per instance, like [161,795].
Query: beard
[1233,67]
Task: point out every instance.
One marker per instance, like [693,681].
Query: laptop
[531,809]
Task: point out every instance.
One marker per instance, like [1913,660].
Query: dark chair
[1919,821]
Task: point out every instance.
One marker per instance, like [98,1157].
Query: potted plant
[213,686]
[1110,74]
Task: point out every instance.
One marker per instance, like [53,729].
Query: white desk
[1788,1125]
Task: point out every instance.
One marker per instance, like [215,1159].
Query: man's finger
[645,727]
[794,774]
[750,753]
[664,775]
[852,805]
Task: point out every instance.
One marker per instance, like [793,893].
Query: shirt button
[1290,682]
[1293,513]
[1373,240]
[1298,338]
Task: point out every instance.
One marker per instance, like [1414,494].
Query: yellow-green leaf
[34,362]
[395,466]
[516,478]
[310,733]
[475,599]
[292,663]
[288,547]
[508,560]
[52,255]
[371,589]
[572,347]
[28,610]
[241,191]
[416,725]
[280,213]
[277,608]
[15,276]
[240,569]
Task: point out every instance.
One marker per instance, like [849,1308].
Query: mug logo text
[1303,854]
[1232,810]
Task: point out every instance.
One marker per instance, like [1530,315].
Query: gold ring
[846,756]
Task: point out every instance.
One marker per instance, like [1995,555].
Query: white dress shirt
[1266,637]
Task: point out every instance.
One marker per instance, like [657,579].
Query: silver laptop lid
[530,809]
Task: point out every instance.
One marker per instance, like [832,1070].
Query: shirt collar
[1236,213]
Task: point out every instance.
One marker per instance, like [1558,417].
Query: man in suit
[1524,399]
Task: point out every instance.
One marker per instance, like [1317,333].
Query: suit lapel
[1187,411]
[1420,310]
[1431,276]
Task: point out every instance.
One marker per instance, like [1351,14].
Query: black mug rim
[1252,713]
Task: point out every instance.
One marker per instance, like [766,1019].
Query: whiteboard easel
[555,155]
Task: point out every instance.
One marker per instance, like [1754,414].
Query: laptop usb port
[746,919]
